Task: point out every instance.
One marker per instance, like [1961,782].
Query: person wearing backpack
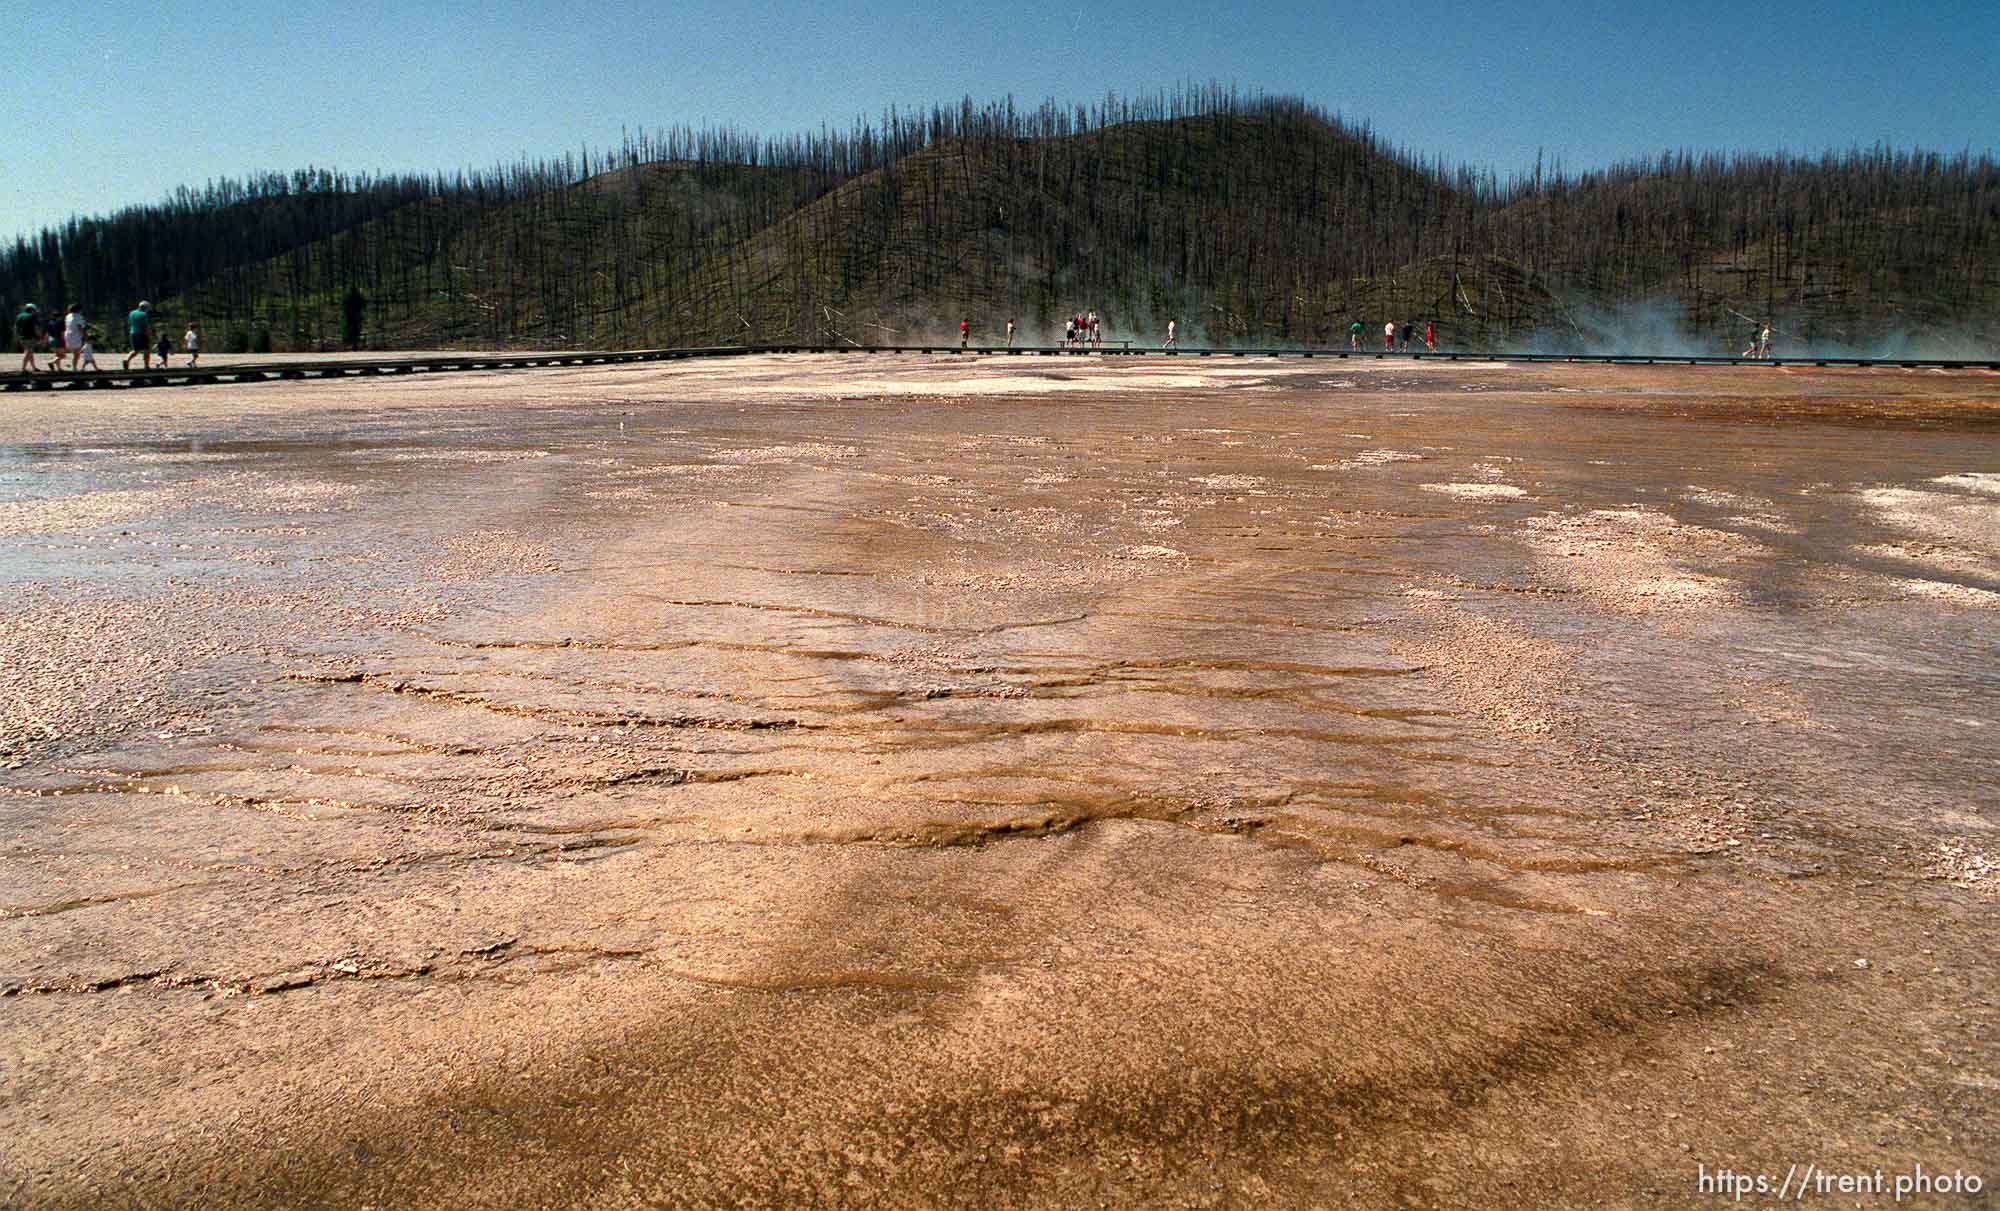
[28,330]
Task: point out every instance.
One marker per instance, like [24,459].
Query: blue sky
[120,104]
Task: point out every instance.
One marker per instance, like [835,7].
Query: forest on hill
[1252,220]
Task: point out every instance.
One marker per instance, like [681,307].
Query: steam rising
[1660,326]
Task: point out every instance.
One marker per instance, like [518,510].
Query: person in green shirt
[28,329]
[140,324]
[1354,335]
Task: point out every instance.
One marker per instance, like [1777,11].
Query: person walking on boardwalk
[191,341]
[1069,332]
[1354,335]
[88,357]
[1010,332]
[138,325]
[964,332]
[1764,341]
[28,330]
[1173,342]
[1409,330]
[1389,337]
[73,337]
[1430,336]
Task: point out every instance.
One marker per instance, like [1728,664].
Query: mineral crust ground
[891,782]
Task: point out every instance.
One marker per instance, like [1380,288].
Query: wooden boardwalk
[449,363]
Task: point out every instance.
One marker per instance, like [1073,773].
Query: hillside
[1251,221]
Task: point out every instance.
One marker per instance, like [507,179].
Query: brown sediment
[1455,786]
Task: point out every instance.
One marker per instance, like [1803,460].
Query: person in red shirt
[964,331]
[1431,335]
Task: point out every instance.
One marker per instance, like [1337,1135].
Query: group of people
[1085,329]
[1079,330]
[1082,329]
[70,337]
[1390,335]
[73,338]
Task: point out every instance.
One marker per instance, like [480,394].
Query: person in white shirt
[72,338]
[1389,337]
[1170,336]
[191,340]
